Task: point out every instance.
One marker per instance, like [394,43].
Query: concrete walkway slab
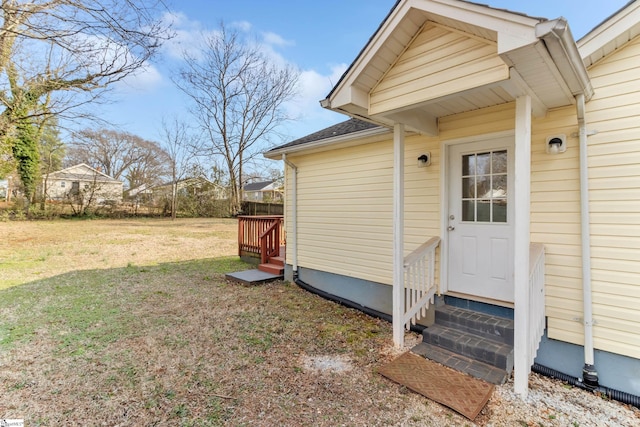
[252,277]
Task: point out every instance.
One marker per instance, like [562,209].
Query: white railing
[536,301]
[419,282]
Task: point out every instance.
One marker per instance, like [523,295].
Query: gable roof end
[531,56]
[611,34]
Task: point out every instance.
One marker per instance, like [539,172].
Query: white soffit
[611,34]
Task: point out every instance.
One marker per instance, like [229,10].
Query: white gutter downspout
[294,214]
[589,373]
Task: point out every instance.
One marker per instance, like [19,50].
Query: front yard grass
[132,323]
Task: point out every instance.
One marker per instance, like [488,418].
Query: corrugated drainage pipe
[618,395]
[352,304]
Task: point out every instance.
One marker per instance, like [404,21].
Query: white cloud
[143,80]
[313,87]
[274,39]
[242,26]
[188,35]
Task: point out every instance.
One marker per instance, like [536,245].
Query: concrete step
[467,344]
[461,363]
[496,328]
[272,268]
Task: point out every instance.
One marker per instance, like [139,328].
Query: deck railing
[536,301]
[251,233]
[270,242]
[419,282]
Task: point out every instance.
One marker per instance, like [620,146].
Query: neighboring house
[192,186]
[142,191]
[488,134]
[264,191]
[82,180]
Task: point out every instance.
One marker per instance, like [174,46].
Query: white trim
[522,240]
[294,212]
[398,234]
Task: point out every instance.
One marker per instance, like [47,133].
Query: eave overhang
[613,33]
[346,140]
[541,57]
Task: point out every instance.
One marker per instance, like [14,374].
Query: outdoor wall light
[424,160]
[556,144]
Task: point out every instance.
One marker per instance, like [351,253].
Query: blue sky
[320,37]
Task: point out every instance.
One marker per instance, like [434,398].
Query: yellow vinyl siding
[439,62]
[345,207]
[347,204]
[555,222]
[614,183]
[487,120]
[344,214]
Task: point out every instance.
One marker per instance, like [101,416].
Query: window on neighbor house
[62,184]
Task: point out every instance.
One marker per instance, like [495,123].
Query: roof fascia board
[624,20]
[328,142]
[514,30]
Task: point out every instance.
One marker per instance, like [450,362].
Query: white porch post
[398,234]
[522,239]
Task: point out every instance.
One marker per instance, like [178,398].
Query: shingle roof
[344,128]
[257,186]
[81,172]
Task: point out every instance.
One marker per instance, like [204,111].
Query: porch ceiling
[535,69]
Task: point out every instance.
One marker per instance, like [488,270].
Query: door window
[484,187]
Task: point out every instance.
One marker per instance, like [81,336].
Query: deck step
[496,328]
[276,260]
[470,345]
[272,268]
[461,363]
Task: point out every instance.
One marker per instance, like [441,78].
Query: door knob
[451,228]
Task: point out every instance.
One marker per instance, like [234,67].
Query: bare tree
[238,96]
[182,149]
[57,55]
[119,155]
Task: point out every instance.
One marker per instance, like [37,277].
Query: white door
[480,219]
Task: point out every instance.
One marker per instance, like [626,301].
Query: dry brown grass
[139,328]
[132,323]
[39,249]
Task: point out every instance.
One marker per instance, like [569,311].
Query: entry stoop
[478,344]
